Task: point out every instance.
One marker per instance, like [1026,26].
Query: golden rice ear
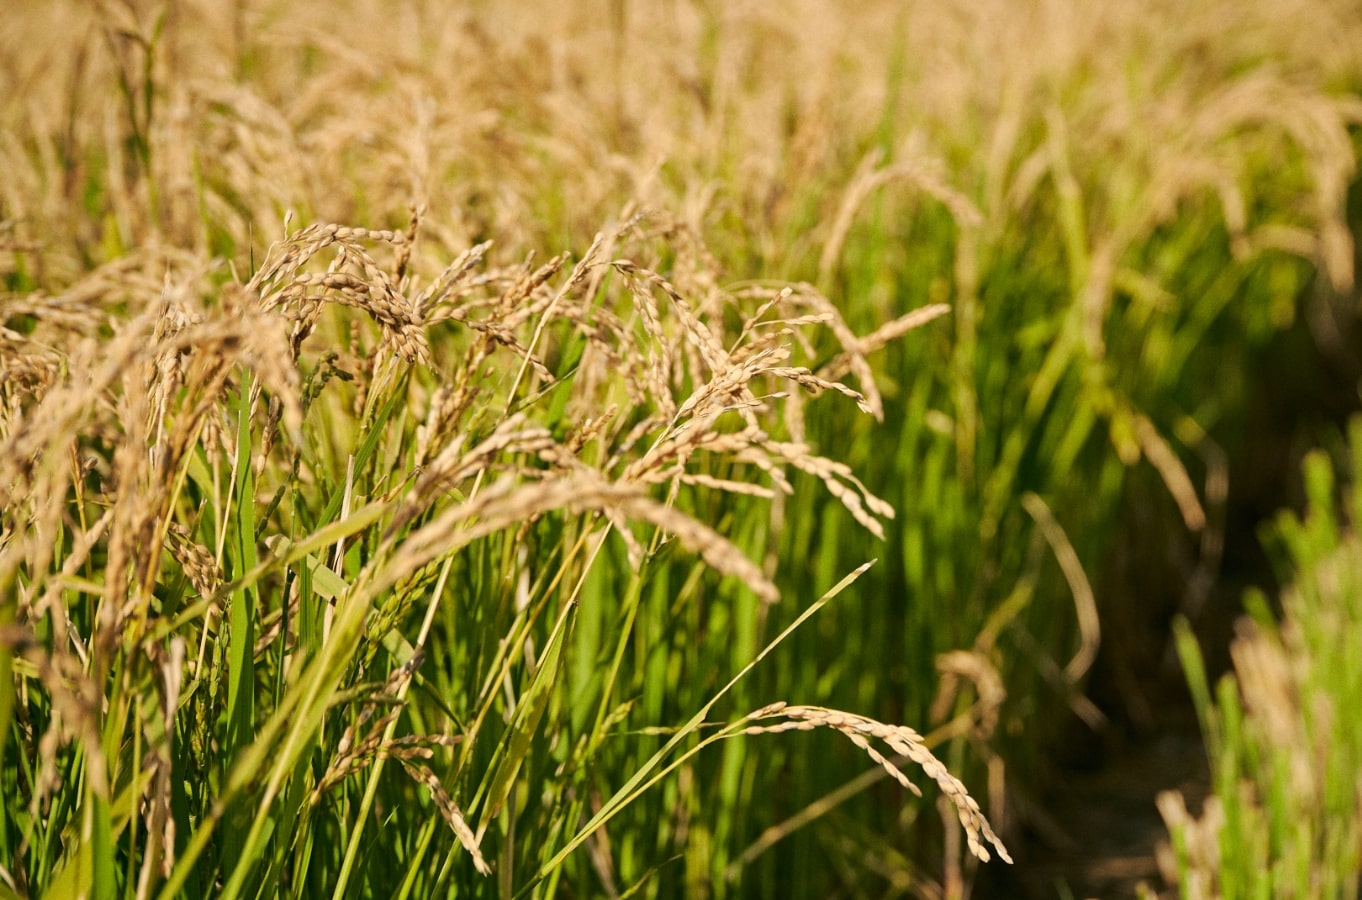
[902,740]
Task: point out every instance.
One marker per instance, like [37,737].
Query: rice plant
[1284,818]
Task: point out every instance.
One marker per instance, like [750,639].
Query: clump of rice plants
[1284,818]
[331,576]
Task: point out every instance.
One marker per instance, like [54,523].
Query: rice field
[668,448]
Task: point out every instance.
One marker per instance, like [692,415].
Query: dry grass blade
[1085,602]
